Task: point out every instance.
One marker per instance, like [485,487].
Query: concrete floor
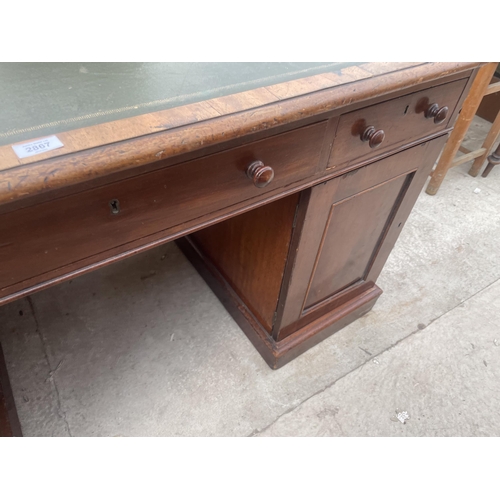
[143,347]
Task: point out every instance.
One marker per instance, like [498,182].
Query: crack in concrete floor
[52,372]
[256,432]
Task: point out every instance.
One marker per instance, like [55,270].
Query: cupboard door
[352,234]
[349,229]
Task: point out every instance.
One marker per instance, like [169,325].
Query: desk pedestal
[299,269]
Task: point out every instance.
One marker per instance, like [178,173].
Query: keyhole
[115,206]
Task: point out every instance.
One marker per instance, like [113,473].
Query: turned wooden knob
[434,111]
[260,174]
[374,137]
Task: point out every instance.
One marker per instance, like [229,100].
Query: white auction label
[37,147]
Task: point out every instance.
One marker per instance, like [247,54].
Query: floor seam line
[255,432]
[46,356]
[434,320]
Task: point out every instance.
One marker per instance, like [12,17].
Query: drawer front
[402,120]
[45,237]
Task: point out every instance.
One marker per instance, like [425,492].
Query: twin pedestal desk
[285,185]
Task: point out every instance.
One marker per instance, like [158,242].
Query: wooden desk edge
[87,159]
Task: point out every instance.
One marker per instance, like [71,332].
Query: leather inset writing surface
[40,99]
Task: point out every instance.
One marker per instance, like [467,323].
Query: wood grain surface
[251,252]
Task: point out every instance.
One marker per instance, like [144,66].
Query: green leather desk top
[38,99]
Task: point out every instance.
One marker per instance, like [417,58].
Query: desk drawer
[402,120]
[57,233]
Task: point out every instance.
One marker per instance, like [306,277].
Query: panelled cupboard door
[355,225]
[351,224]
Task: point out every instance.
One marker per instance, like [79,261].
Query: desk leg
[9,421]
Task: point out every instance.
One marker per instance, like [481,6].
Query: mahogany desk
[288,183]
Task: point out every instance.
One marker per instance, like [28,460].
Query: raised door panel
[355,228]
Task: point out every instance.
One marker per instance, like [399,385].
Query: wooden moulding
[9,421]
[277,354]
[93,154]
